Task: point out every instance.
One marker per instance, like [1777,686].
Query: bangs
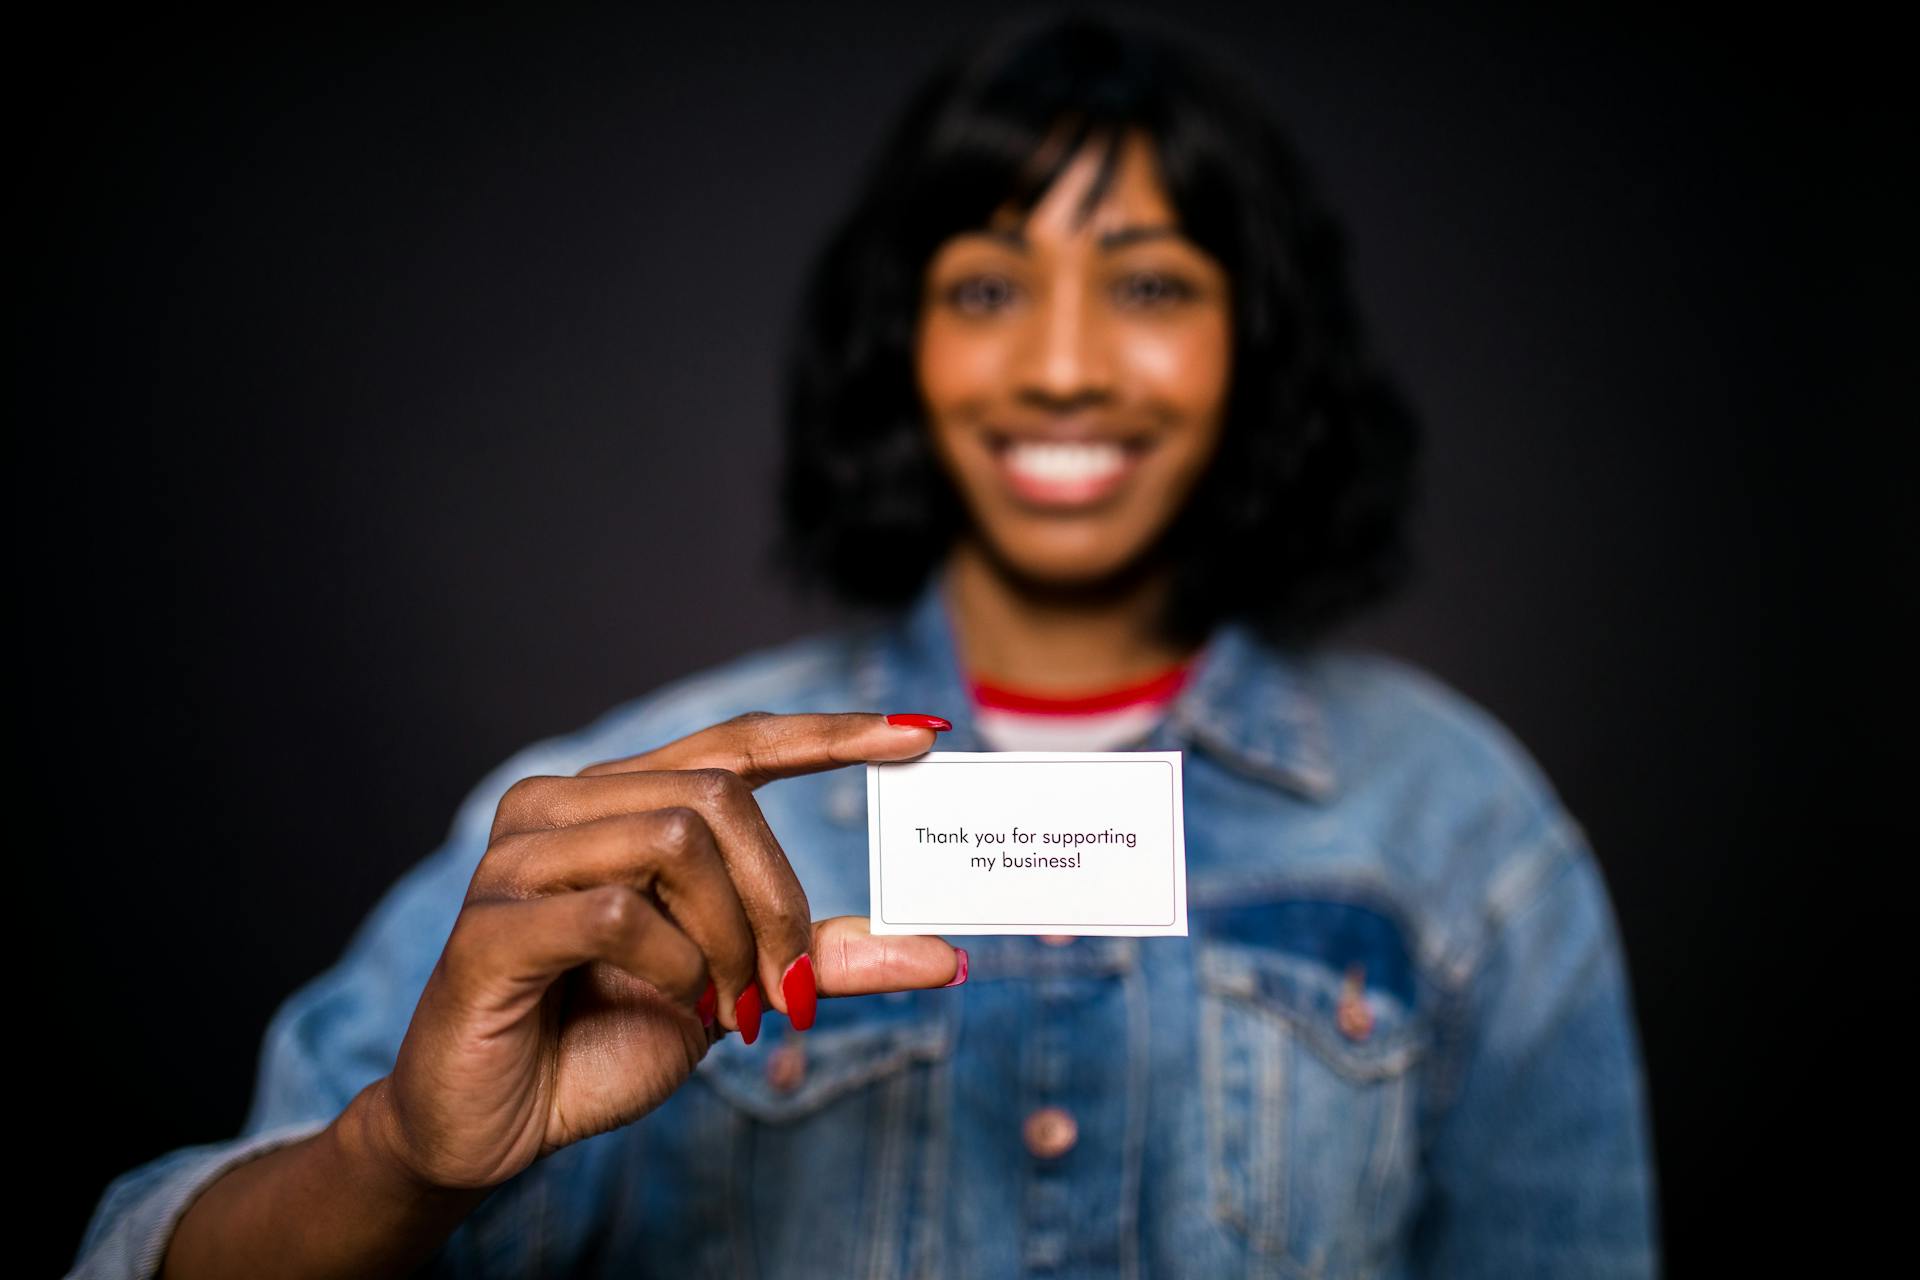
[1000,140]
[1043,167]
[995,164]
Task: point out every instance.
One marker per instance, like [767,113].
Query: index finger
[760,746]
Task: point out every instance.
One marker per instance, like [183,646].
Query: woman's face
[1075,377]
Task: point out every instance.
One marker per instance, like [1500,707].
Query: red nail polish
[798,987]
[913,720]
[708,1005]
[746,1012]
[960,974]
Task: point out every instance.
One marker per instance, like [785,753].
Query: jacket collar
[1247,704]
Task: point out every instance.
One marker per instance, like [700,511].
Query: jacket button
[1051,1132]
[787,1066]
[1353,1014]
[1056,939]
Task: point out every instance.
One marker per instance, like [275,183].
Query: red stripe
[1160,688]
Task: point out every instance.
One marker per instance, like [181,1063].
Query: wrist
[344,1202]
[371,1141]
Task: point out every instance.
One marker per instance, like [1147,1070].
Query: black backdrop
[389,395]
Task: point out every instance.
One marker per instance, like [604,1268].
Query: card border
[1174,926]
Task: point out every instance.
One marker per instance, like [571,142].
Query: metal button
[1051,1132]
[1353,1014]
[787,1066]
[1056,939]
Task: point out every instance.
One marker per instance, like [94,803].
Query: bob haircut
[1300,517]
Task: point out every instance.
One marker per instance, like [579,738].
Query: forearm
[333,1205]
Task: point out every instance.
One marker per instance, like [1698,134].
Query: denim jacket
[1398,1041]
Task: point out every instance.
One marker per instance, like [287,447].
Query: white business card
[1061,842]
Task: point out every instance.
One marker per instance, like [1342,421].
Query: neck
[1053,639]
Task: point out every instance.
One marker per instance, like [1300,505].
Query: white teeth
[1066,463]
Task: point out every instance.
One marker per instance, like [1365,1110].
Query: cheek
[958,369]
[1183,366]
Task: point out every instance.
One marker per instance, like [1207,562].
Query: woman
[1079,394]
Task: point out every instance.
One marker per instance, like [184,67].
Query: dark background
[388,395]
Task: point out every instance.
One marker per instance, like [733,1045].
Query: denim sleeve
[325,1043]
[1541,1160]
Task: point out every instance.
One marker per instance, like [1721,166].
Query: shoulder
[1388,717]
[1458,810]
[810,673]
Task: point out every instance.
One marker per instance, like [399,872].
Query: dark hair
[1301,516]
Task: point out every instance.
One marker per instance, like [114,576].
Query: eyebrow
[1115,239]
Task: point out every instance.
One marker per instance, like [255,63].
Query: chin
[1067,561]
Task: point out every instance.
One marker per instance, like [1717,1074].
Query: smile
[1065,473]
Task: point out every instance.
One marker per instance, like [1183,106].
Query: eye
[981,294]
[1149,289]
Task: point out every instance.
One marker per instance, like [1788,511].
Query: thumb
[850,961]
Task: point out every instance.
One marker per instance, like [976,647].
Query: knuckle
[719,787]
[613,912]
[756,740]
[501,868]
[527,795]
[517,795]
[676,832]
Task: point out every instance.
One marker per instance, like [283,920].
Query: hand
[572,995]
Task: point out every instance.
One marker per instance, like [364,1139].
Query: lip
[1065,470]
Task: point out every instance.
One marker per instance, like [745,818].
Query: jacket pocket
[786,1076]
[1311,1026]
[835,1140]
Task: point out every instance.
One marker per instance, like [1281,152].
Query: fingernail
[960,974]
[914,720]
[746,1012]
[798,987]
[708,1005]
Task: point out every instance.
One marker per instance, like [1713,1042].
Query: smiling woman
[1090,322]
[1074,364]
[1080,396]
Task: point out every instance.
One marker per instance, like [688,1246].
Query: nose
[1068,362]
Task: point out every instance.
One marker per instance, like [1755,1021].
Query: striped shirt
[1111,719]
